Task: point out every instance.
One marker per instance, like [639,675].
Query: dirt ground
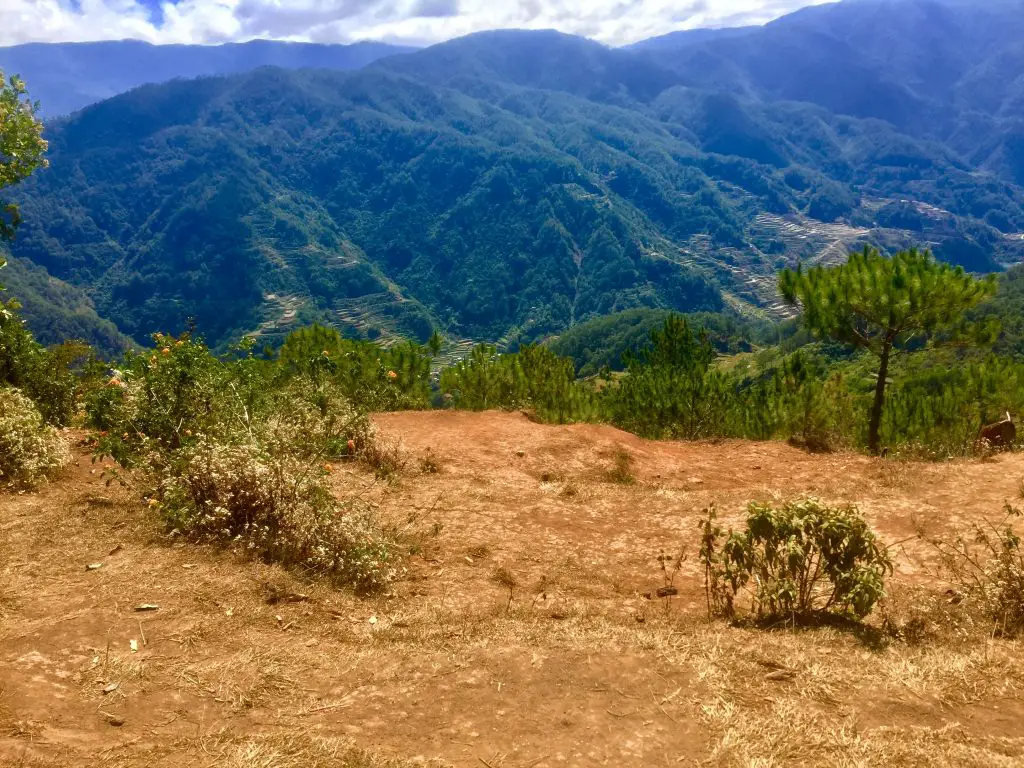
[520,635]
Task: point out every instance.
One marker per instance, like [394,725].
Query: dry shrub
[621,471]
[386,458]
[315,421]
[987,572]
[278,509]
[30,450]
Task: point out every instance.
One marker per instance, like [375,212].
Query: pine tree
[883,304]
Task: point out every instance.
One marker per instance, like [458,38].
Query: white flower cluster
[30,450]
[277,508]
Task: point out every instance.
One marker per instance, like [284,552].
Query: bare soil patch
[520,635]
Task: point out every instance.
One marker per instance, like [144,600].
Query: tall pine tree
[883,304]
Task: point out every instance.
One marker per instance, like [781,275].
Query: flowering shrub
[234,454]
[315,420]
[277,508]
[30,450]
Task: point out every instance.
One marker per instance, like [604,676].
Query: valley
[507,185]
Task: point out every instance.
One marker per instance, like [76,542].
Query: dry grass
[247,665]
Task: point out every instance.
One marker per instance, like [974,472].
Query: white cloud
[417,21]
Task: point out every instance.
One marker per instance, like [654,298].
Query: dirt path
[577,669]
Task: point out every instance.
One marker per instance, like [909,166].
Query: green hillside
[505,186]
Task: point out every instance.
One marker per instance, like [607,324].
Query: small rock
[400,623]
[373,619]
[469,560]
[111,687]
[780,675]
[93,566]
[115,720]
[667,592]
[114,551]
[146,607]
[520,454]
[133,645]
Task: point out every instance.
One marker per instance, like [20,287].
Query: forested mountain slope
[503,186]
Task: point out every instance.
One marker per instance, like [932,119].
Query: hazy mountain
[948,70]
[509,185]
[68,76]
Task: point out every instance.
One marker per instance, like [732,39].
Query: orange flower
[327,468]
[166,350]
[392,375]
[351,446]
[326,353]
[114,382]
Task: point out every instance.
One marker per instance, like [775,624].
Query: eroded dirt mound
[520,635]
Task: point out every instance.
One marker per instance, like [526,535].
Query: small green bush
[43,375]
[31,451]
[798,561]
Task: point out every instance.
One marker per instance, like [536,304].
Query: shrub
[234,454]
[275,507]
[43,375]
[315,421]
[798,561]
[31,451]
[987,571]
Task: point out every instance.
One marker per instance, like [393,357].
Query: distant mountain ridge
[66,77]
[510,185]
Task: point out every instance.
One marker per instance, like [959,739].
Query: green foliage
[55,311]
[671,388]
[604,342]
[799,561]
[883,304]
[31,451]
[374,378]
[533,378]
[21,145]
[232,450]
[44,375]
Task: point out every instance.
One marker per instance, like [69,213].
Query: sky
[415,22]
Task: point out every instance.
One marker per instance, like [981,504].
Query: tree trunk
[876,407]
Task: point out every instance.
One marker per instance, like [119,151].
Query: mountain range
[66,77]
[509,185]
